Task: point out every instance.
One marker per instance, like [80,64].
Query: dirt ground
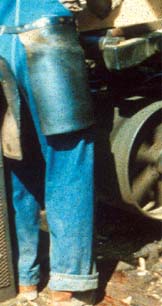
[129,258]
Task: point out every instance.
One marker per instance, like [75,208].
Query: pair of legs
[68,179]
[69,197]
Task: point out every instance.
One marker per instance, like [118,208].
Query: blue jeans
[68,182]
[69,205]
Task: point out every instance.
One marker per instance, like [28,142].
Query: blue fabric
[69,205]
[62,99]
[68,180]
[22,11]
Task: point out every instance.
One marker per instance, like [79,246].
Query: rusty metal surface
[130,12]
[136,29]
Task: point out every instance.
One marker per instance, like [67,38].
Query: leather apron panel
[58,77]
[10,112]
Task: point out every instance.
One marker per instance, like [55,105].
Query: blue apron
[49,65]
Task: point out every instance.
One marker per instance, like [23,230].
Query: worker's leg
[69,204]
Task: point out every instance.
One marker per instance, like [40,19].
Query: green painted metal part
[120,53]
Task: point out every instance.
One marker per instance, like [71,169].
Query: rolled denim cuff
[69,282]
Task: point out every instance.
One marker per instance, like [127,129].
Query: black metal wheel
[137,149]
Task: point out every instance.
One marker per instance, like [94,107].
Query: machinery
[126,80]
[125,75]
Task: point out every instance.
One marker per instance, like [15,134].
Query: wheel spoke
[155,151]
[144,155]
[149,206]
[144,182]
[157,134]
[159,193]
[149,155]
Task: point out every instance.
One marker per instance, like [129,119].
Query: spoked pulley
[137,149]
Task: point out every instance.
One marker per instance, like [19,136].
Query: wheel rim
[137,150]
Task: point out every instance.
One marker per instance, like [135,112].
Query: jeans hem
[65,282]
[28,283]
[23,281]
